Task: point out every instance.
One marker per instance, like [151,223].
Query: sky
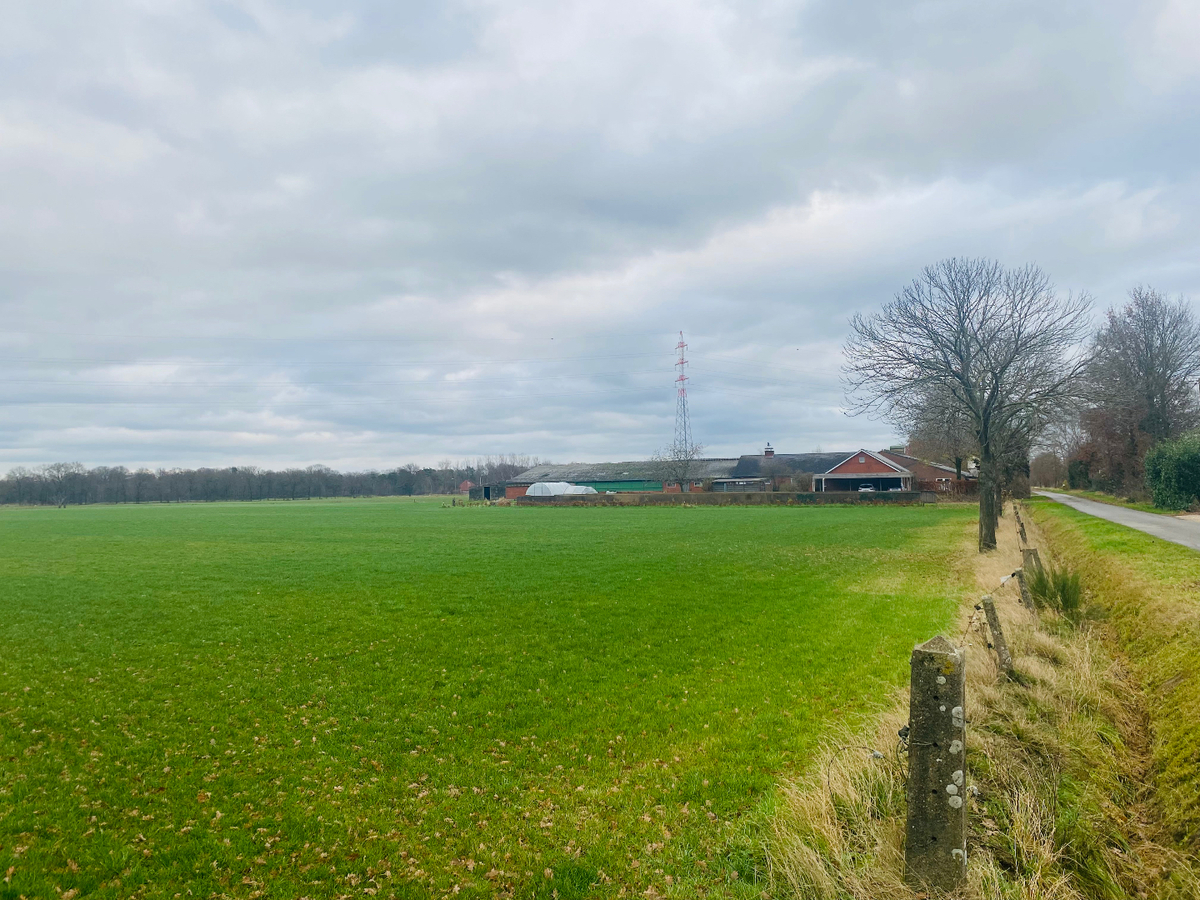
[363,234]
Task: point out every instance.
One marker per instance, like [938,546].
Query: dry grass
[1059,763]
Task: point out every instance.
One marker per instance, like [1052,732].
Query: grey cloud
[530,199]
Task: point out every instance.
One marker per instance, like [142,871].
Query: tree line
[61,484]
[978,362]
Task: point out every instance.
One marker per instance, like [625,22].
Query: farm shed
[781,469]
[865,469]
[621,477]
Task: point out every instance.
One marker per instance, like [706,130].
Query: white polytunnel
[547,489]
[557,489]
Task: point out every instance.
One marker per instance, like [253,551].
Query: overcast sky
[361,234]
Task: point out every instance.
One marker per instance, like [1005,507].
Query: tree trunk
[987,502]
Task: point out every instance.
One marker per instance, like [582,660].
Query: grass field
[394,698]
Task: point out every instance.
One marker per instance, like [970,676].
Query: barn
[865,469]
[621,477]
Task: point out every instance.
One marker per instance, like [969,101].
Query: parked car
[866,488]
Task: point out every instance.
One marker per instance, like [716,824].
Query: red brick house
[933,476]
[865,469]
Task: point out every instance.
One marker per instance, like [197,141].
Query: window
[862,459]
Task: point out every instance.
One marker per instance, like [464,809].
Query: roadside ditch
[1063,770]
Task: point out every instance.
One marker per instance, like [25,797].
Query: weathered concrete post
[1026,597]
[1032,560]
[1003,657]
[935,850]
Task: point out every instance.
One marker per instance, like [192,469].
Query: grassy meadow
[399,699]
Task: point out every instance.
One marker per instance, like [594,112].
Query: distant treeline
[60,484]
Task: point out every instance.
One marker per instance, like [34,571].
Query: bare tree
[940,430]
[677,464]
[63,480]
[999,344]
[1047,469]
[1141,382]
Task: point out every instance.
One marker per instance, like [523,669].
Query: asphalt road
[1169,528]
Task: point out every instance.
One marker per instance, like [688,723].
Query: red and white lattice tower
[682,448]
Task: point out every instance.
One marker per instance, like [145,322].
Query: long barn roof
[787,464]
[650,470]
[640,470]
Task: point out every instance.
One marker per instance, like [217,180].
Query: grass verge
[1064,807]
[1153,606]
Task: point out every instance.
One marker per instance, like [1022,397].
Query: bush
[1173,472]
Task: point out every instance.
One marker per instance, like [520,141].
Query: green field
[395,698]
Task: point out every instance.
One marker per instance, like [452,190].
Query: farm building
[781,469]
[865,470]
[619,477]
[756,472]
[886,470]
[934,476]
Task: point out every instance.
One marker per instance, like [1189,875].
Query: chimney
[769,451]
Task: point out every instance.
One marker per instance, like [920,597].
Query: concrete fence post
[1003,657]
[935,849]
[1026,597]
[1032,559]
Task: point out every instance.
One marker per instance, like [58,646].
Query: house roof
[753,466]
[637,470]
[786,464]
[889,467]
[905,459]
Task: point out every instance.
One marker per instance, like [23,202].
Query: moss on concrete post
[935,850]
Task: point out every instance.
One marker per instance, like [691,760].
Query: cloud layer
[361,234]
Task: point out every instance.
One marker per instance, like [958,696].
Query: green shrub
[1173,472]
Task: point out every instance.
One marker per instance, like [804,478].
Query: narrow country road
[1169,528]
